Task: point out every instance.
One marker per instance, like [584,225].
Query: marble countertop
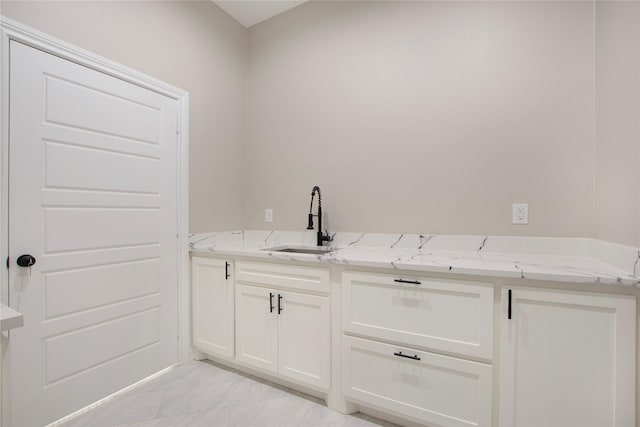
[577,260]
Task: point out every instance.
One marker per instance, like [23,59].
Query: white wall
[424,116]
[193,45]
[618,122]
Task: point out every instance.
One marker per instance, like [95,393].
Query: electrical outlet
[268,215]
[520,213]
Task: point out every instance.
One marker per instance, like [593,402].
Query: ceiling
[250,12]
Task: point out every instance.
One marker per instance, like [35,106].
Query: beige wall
[618,122]
[193,45]
[424,116]
[412,116]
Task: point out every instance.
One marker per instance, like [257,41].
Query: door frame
[13,30]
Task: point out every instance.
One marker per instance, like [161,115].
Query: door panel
[81,228]
[213,305]
[257,327]
[97,171]
[98,108]
[304,338]
[74,290]
[567,359]
[92,197]
[101,342]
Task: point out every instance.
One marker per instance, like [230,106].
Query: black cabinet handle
[270,302]
[399,354]
[413,282]
[509,306]
[226,270]
[279,304]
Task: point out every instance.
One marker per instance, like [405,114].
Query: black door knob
[26,260]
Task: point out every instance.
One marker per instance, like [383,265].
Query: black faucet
[321,237]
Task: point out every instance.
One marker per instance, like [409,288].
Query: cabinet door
[304,338]
[257,327]
[567,359]
[213,319]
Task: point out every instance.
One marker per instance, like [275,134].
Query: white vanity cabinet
[394,328]
[212,305]
[567,358]
[428,348]
[282,330]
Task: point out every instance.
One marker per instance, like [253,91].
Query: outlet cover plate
[520,213]
[268,215]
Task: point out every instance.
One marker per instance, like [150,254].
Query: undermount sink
[314,250]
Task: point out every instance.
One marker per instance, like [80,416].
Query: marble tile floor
[201,393]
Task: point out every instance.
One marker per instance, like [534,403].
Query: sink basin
[314,250]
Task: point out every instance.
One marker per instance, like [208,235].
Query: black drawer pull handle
[226,270]
[279,304]
[270,302]
[416,357]
[413,282]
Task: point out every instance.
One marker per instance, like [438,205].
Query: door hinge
[7,262]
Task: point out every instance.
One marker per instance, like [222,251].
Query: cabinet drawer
[435,389]
[284,276]
[439,314]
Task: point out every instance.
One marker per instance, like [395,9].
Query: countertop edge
[565,276]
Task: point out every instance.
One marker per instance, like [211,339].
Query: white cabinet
[402,316]
[283,331]
[567,359]
[426,387]
[444,315]
[212,304]
[304,338]
[257,327]
[422,348]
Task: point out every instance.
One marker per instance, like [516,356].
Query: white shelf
[9,318]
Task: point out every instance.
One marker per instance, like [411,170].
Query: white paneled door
[92,184]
